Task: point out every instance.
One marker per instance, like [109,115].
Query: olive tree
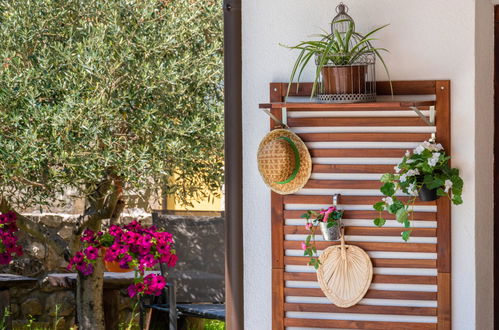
[102,97]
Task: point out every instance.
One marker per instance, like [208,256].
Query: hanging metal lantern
[348,69]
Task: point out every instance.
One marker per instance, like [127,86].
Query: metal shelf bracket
[431,120]
[284,122]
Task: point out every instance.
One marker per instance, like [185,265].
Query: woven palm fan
[345,273]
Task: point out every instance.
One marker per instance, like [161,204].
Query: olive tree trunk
[89,307]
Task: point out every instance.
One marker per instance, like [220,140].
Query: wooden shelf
[385,105]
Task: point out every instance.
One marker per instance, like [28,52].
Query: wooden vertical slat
[277,212]
[277,206]
[444,303]
[277,231]
[278,299]
[442,92]
[443,204]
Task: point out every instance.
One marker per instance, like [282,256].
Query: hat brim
[304,171]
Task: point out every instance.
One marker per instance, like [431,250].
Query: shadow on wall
[200,271]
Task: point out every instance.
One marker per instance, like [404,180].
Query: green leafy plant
[57,318]
[427,166]
[335,49]
[5,316]
[112,102]
[331,216]
[214,325]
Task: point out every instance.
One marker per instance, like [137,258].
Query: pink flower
[326,215]
[92,252]
[308,226]
[10,216]
[88,236]
[113,250]
[303,246]
[133,226]
[18,250]
[164,258]
[164,236]
[129,237]
[172,261]
[115,231]
[84,268]
[163,247]
[110,255]
[5,258]
[78,257]
[132,290]
[144,245]
[148,261]
[125,260]
[122,249]
[154,284]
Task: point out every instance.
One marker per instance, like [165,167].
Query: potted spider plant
[344,60]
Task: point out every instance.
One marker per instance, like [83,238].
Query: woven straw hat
[284,161]
[345,274]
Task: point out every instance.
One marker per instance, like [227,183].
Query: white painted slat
[360,129]
[298,328]
[289,207]
[378,270]
[374,286]
[406,271]
[385,239]
[350,114]
[365,301]
[344,192]
[354,160]
[346,176]
[369,223]
[362,317]
[362,145]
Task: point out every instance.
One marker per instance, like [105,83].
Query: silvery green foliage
[92,88]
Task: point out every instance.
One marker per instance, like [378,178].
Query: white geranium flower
[448,185]
[412,172]
[434,159]
[409,161]
[419,149]
[412,189]
[407,153]
[397,169]
[403,177]
[388,200]
[438,147]
[427,145]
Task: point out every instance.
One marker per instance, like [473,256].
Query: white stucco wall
[428,39]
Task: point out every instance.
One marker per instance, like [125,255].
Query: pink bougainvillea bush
[8,239]
[133,246]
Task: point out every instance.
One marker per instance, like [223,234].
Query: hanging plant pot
[114,266]
[332,233]
[344,79]
[427,195]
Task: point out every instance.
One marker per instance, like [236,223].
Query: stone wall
[39,301]
[48,305]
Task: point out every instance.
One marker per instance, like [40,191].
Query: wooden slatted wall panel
[411,283]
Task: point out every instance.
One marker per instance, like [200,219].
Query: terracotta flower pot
[114,266]
[348,79]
